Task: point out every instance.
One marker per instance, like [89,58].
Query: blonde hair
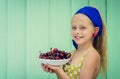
[100,44]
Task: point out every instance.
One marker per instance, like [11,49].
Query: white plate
[55,62]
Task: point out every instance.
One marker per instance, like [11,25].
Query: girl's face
[82,29]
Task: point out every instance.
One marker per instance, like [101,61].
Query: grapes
[55,54]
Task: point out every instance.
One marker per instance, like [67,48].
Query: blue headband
[94,15]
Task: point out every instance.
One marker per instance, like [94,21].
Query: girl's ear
[96,31]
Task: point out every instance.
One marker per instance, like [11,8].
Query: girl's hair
[100,44]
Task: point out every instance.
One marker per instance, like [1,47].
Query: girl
[89,39]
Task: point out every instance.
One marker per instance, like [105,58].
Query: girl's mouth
[78,37]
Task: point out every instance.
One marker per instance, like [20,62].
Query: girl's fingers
[44,67]
[52,71]
[48,68]
[51,67]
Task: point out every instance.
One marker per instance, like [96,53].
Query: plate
[59,62]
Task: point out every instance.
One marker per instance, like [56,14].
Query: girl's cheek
[72,34]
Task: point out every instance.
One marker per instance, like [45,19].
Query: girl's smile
[78,37]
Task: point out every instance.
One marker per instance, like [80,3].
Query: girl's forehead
[81,18]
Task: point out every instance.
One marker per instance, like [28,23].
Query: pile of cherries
[55,54]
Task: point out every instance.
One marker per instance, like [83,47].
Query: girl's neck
[85,47]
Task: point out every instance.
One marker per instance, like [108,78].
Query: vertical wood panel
[16,39]
[38,36]
[3,40]
[113,16]
[28,43]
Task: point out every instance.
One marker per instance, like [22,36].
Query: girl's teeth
[78,37]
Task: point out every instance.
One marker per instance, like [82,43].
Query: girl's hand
[55,69]
[50,68]
[46,69]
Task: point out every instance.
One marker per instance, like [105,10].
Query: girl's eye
[73,28]
[82,28]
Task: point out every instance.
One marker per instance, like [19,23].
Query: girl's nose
[78,31]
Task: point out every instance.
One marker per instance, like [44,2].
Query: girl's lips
[78,37]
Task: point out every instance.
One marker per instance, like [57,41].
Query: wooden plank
[38,37]
[113,24]
[16,61]
[3,40]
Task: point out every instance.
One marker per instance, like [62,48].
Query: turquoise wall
[30,26]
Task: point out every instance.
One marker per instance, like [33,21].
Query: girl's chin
[78,42]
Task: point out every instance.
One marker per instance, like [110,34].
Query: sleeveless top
[73,70]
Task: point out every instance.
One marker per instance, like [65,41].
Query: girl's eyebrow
[78,25]
[73,25]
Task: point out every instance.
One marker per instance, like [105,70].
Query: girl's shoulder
[94,53]
[92,56]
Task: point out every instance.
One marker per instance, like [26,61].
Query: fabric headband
[94,15]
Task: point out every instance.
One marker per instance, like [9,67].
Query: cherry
[55,50]
[55,54]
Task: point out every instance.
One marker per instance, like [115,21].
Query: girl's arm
[90,66]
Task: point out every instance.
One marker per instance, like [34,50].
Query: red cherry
[55,54]
[55,50]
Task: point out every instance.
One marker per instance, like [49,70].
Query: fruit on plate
[55,54]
